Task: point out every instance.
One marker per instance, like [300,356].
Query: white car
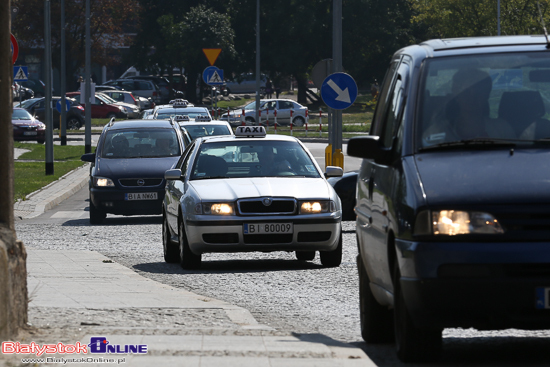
[131,109]
[180,107]
[267,109]
[197,129]
[250,192]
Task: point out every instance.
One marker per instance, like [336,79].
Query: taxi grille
[314,236]
[267,238]
[220,238]
[135,182]
[276,206]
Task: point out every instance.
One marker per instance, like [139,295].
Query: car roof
[225,138]
[212,122]
[179,109]
[473,42]
[131,124]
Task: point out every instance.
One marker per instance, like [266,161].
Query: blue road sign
[67,103]
[213,76]
[20,73]
[339,91]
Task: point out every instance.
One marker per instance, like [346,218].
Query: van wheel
[376,320]
[331,259]
[96,215]
[171,249]
[412,343]
[188,260]
[305,255]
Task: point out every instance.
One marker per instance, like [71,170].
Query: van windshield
[498,97]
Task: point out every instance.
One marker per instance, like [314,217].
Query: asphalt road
[278,290]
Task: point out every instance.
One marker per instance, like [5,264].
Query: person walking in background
[268,89]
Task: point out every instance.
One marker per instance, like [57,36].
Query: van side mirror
[88,157]
[367,147]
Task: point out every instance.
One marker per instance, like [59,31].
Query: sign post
[338,91]
[213,76]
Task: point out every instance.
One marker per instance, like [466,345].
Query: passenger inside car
[467,114]
[524,110]
[119,147]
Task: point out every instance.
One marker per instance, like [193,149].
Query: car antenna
[543,26]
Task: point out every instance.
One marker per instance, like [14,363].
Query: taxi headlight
[218,209]
[103,182]
[317,206]
[455,222]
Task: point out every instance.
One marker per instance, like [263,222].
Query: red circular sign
[14,48]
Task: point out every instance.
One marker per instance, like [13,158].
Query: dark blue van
[453,195]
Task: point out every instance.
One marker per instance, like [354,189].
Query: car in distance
[453,195]
[75,115]
[245,83]
[143,88]
[26,127]
[127,173]
[181,107]
[102,107]
[197,129]
[250,192]
[267,108]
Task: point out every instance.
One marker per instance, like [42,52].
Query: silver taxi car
[250,192]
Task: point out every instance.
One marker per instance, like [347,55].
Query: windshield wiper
[476,142]
[209,177]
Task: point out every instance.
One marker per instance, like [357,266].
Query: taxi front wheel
[171,250]
[188,260]
[331,259]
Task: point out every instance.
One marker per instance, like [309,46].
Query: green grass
[31,176]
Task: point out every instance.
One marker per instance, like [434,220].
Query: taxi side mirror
[172,174]
[334,171]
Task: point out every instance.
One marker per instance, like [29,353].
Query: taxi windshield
[246,158]
[481,99]
[141,143]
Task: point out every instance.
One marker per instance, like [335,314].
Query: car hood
[134,167]
[238,188]
[26,122]
[485,177]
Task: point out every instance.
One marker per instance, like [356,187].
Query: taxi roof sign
[179,103]
[181,118]
[203,118]
[250,131]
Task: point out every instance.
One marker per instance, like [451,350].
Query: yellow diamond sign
[212,54]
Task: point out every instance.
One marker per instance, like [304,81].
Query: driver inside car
[271,164]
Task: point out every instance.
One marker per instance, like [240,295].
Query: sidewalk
[80,295]
[77,295]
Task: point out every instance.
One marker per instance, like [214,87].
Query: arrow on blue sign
[339,91]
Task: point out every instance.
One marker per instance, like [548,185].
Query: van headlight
[456,222]
[103,182]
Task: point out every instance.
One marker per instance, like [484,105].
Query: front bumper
[113,201]
[484,285]
[228,236]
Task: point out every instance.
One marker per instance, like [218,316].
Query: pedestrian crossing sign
[213,76]
[20,73]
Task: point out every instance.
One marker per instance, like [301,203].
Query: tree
[110,22]
[200,28]
[469,18]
